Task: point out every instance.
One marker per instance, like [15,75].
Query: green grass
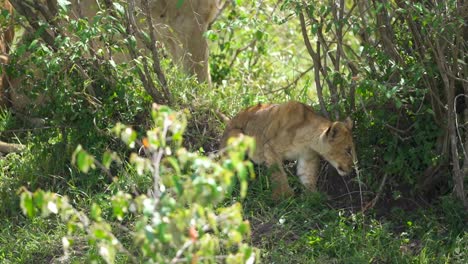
[35,241]
[308,228]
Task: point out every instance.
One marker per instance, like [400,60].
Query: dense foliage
[117,180]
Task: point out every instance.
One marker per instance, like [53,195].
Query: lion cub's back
[269,121]
[243,120]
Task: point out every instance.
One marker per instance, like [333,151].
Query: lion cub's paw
[282,192]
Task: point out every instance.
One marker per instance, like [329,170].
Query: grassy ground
[311,228]
[304,229]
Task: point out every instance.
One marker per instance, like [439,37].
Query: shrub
[179,219]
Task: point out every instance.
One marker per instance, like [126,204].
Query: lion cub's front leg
[308,171]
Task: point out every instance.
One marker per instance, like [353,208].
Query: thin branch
[358,175]
[293,82]
[154,51]
[374,201]
[25,8]
[181,251]
[456,122]
[132,30]
[238,51]
[156,159]
[317,66]
[220,11]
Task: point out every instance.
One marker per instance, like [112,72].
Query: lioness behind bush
[294,131]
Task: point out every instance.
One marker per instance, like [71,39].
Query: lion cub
[293,131]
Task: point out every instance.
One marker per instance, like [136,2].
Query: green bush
[180,217]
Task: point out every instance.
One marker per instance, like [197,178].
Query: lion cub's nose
[344,171]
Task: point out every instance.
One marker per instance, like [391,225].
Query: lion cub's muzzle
[344,169]
[344,172]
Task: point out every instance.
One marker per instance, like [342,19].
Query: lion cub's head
[339,146]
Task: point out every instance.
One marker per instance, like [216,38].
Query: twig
[456,122]
[358,174]
[220,11]
[156,164]
[317,66]
[399,130]
[349,193]
[32,129]
[293,82]
[377,196]
[104,169]
[181,251]
[238,51]
[154,51]
[145,77]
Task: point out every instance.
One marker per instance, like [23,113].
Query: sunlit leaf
[107,252]
[120,9]
[107,159]
[52,207]
[26,204]
[63,4]
[96,212]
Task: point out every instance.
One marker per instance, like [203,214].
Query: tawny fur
[179,25]
[7,34]
[294,131]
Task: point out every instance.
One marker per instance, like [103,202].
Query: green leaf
[27,204]
[119,8]
[179,3]
[129,136]
[100,233]
[107,252]
[84,161]
[120,204]
[96,212]
[39,202]
[107,159]
[259,35]
[63,4]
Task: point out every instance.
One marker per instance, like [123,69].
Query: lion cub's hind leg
[279,182]
[279,178]
[234,133]
[308,171]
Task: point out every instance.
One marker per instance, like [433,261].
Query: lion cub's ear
[332,131]
[349,123]
[337,128]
